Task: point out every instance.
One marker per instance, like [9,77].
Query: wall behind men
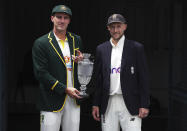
[3,86]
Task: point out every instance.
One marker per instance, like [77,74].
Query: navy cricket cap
[116,18]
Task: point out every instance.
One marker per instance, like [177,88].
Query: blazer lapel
[71,42]
[125,53]
[53,42]
[108,56]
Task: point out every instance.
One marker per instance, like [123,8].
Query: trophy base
[83,95]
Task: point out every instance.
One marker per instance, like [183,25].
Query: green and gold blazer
[51,71]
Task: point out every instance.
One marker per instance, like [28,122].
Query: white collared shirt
[67,57]
[116,55]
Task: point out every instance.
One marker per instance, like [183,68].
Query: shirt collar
[120,42]
[60,39]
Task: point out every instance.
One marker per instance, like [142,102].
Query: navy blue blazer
[133,75]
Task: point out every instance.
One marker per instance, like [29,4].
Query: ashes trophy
[85,69]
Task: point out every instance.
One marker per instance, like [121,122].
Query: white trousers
[117,115]
[68,118]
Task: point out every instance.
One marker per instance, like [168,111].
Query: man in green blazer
[56,71]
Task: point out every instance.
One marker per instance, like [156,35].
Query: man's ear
[52,17]
[125,26]
[108,27]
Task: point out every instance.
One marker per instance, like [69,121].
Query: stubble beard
[117,38]
[61,29]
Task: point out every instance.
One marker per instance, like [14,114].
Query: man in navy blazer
[122,87]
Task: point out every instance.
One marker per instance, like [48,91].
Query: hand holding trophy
[77,58]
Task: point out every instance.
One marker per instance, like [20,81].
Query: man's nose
[115,29]
[62,19]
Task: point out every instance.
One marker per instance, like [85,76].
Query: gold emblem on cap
[114,16]
[63,8]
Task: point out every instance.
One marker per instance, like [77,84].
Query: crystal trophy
[85,69]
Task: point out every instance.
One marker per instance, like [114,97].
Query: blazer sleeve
[98,79]
[40,65]
[143,77]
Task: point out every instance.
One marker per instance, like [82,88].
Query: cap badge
[114,16]
[63,8]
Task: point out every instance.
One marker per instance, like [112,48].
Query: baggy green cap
[61,9]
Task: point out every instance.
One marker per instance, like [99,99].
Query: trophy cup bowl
[85,69]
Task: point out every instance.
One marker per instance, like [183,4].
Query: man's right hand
[72,92]
[95,113]
[77,58]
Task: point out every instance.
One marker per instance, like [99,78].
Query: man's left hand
[143,112]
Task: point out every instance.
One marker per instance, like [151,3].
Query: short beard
[117,38]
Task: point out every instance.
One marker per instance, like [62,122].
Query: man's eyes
[117,27]
[60,17]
